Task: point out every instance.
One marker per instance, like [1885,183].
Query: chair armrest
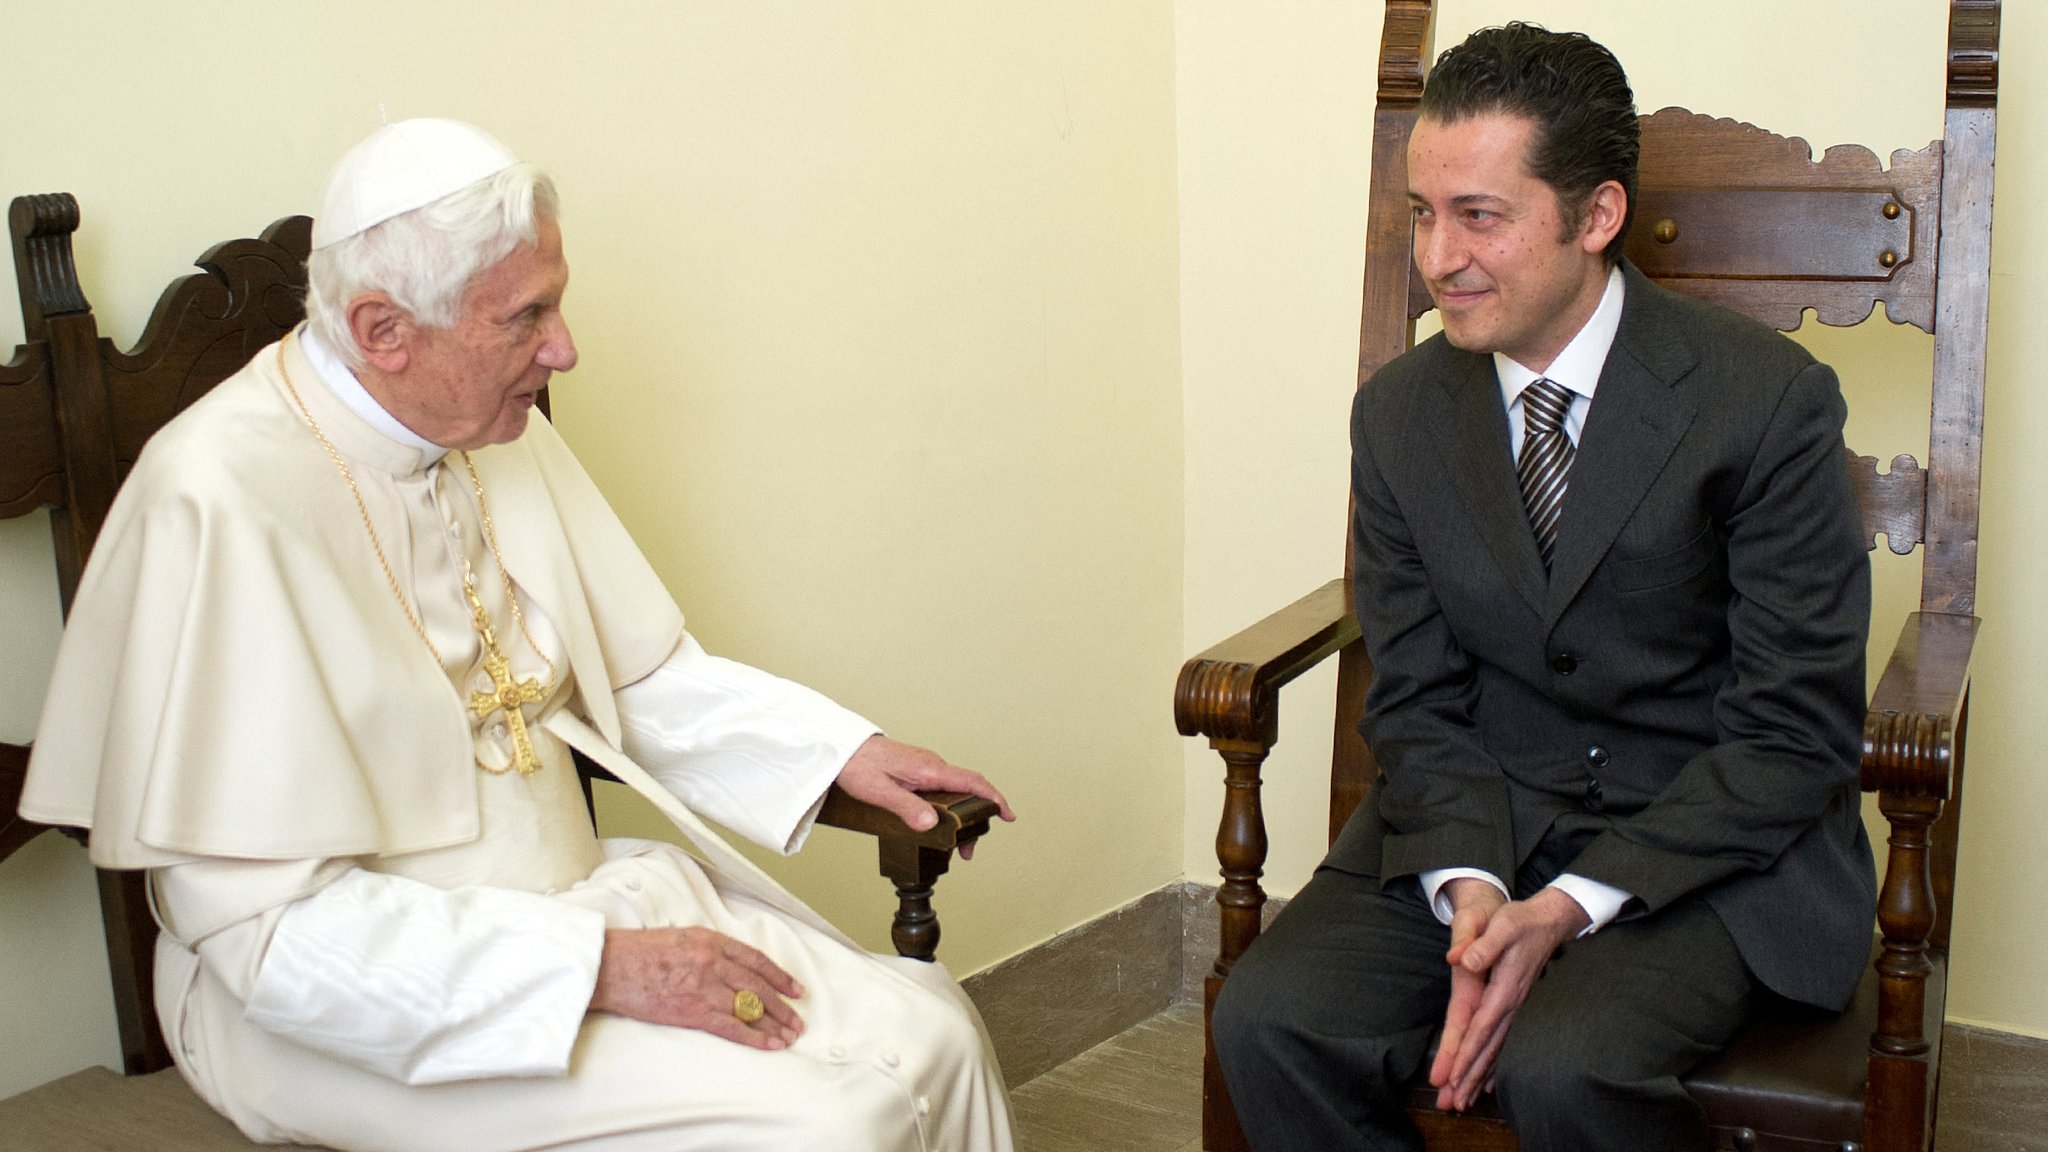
[1909,733]
[1228,691]
[913,861]
[962,818]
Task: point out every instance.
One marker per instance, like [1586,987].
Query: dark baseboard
[1048,1005]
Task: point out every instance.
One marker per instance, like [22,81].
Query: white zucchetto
[401,167]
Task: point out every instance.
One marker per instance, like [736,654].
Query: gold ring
[747,1006]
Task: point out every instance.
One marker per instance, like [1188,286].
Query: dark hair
[1575,92]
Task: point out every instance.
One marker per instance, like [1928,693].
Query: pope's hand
[690,978]
[890,774]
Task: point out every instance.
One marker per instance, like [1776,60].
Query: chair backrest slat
[1894,502]
[1749,220]
[31,468]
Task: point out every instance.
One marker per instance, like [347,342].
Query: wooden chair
[75,412]
[1732,214]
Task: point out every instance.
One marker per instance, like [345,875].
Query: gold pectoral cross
[506,695]
[509,697]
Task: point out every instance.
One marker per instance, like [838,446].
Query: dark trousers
[1330,1015]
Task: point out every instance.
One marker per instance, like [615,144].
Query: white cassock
[368,942]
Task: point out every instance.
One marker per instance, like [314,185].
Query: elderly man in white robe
[346,620]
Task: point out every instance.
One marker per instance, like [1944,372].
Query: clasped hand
[1498,948]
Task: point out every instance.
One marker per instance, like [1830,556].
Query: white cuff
[1602,902]
[425,986]
[1434,880]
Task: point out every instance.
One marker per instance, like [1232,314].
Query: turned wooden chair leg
[914,869]
[914,861]
[1241,858]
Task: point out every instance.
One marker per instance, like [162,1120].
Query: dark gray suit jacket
[1678,707]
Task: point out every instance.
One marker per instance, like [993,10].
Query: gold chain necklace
[506,695]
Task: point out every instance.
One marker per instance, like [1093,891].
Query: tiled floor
[1142,1092]
[1994,1092]
[1139,1092]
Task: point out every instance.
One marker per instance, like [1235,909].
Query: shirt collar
[1578,366]
[341,380]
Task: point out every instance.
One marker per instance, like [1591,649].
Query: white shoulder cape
[236,679]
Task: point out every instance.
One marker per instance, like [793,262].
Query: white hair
[425,259]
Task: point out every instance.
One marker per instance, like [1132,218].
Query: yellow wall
[1275,105]
[877,310]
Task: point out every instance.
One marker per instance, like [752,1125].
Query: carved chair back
[1735,215]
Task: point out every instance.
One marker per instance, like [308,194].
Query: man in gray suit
[1609,570]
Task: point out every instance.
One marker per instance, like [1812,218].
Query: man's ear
[382,331]
[1606,211]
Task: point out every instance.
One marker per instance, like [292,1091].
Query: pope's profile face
[473,384]
[1491,240]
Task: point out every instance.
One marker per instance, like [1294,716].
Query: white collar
[1578,366]
[341,380]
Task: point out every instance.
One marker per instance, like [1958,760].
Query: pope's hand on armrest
[889,774]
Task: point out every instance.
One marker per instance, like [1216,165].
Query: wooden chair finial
[48,276]
[1973,53]
[1404,47]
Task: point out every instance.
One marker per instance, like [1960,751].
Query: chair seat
[1796,1078]
[98,1110]
[1793,1081]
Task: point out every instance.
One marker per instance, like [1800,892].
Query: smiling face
[1494,245]
[474,383]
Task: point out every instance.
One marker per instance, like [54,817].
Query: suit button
[1564,663]
[1593,796]
[1597,756]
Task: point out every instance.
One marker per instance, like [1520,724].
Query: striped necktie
[1546,458]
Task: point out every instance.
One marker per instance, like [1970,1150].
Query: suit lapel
[1470,426]
[1637,419]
